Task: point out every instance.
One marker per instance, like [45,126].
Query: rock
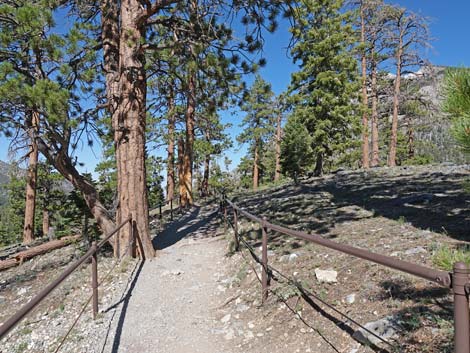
[326,276]
[351,298]
[417,250]
[293,257]
[230,335]
[21,291]
[226,318]
[384,328]
[242,307]
[249,335]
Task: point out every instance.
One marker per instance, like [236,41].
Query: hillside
[417,214]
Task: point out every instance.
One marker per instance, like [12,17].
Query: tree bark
[411,139]
[277,172]
[129,123]
[45,221]
[365,103]
[187,195]
[183,203]
[205,178]
[170,175]
[31,183]
[256,166]
[374,114]
[396,102]
[318,171]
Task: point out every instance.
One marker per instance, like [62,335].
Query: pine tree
[457,104]
[258,122]
[324,91]
[296,149]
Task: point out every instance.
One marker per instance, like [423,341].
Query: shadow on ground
[432,200]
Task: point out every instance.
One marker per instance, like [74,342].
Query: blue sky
[449,27]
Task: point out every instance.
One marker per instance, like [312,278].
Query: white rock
[351,298]
[326,276]
[226,318]
[417,250]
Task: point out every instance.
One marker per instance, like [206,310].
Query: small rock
[326,276]
[251,325]
[230,335]
[351,298]
[384,328]
[242,308]
[293,257]
[226,318]
[417,250]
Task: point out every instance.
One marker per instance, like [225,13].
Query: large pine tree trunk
[365,122]
[277,171]
[396,102]
[31,183]
[129,122]
[187,196]
[374,115]
[256,166]
[170,174]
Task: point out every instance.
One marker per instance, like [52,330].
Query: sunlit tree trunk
[374,115]
[31,183]
[256,166]
[187,195]
[129,123]
[396,102]
[365,122]
[277,172]
[170,175]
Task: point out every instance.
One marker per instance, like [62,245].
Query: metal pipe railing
[8,325]
[458,280]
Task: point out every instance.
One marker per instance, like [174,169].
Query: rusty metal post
[235,229]
[171,209]
[160,210]
[264,258]
[460,279]
[94,278]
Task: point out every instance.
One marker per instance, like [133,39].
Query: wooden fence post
[264,258]
[460,280]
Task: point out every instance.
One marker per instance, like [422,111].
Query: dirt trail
[173,299]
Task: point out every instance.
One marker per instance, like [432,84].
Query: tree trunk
[31,183]
[277,172]
[375,115]
[256,167]
[411,139]
[45,221]
[170,175]
[205,178]
[365,103]
[189,143]
[396,102]
[129,123]
[318,165]
[183,203]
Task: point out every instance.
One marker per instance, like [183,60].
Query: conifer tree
[324,90]
[258,122]
[296,149]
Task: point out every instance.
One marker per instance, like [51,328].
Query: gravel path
[172,302]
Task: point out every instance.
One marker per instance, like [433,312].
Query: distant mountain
[432,129]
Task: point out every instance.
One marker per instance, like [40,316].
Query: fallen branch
[20,257]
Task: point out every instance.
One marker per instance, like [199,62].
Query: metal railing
[92,254]
[458,280]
